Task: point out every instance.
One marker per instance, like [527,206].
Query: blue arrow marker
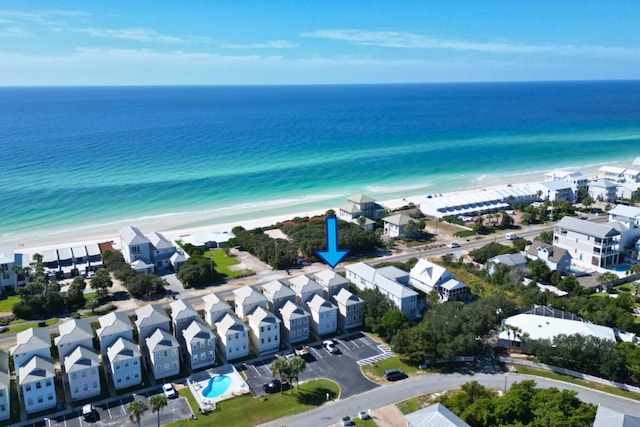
[332,255]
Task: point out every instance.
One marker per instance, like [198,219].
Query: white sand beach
[172,230]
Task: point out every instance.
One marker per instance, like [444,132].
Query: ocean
[105,157]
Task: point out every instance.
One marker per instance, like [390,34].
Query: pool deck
[199,381]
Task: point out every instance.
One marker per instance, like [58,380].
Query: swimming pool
[621,268]
[216,387]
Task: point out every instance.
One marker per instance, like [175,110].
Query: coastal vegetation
[138,285]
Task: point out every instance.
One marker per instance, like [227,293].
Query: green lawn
[223,262]
[377,369]
[250,411]
[28,325]
[6,305]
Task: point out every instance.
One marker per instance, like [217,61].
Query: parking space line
[79,420]
[354,343]
[316,353]
[109,411]
[65,420]
[255,369]
[124,412]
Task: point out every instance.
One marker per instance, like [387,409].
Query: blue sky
[320,42]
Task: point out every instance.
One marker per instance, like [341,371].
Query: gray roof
[350,208]
[7,255]
[292,311]
[345,297]
[31,340]
[213,303]
[122,349]
[74,330]
[260,315]
[151,314]
[161,340]
[452,284]
[114,323]
[181,309]
[398,219]
[329,278]
[556,185]
[248,295]
[197,330]
[80,359]
[626,211]
[512,260]
[436,415]
[4,370]
[319,304]
[36,369]
[360,198]
[381,280]
[229,322]
[303,284]
[275,289]
[602,183]
[607,417]
[159,241]
[392,272]
[587,227]
[555,254]
[132,236]
[93,249]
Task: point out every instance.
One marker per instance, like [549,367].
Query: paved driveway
[343,368]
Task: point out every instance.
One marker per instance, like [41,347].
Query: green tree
[538,270]
[157,402]
[101,282]
[280,367]
[374,306]
[297,365]
[587,202]
[546,237]
[478,226]
[390,323]
[607,280]
[75,294]
[506,220]
[136,409]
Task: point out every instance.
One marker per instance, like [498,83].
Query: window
[195,357]
[30,402]
[74,376]
[117,365]
[50,396]
[3,408]
[174,365]
[126,364]
[135,362]
[136,375]
[118,379]
[95,384]
[85,387]
[40,399]
[209,341]
[194,346]
[127,378]
[84,374]
[166,353]
[38,385]
[202,344]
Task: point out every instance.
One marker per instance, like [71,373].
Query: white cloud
[272,44]
[13,32]
[136,34]
[395,39]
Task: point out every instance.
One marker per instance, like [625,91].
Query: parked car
[169,391]
[88,413]
[330,346]
[346,421]
[275,385]
[454,245]
[511,236]
[394,374]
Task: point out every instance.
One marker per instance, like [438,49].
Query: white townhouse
[629,217]
[149,318]
[200,345]
[164,354]
[264,331]
[65,261]
[10,264]
[557,259]
[577,180]
[277,294]
[589,244]
[396,225]
[331,282]
[619,175]
[247,299]
[360,205]
[31,342]
[603,191]
[555,191]
[37,384]
[390,281]
[628,190]
[295,323]
[5,386]
[233,336]
[82,369]
[135,245]
[214,308]
[305,288]
[182,314]
[114,325]
[324,316]
[124,363]
[162,250]
[349,309]
[73,333]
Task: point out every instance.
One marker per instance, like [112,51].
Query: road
[330,414]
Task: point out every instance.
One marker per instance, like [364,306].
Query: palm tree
[280,366]
[157,402]
[136,408]
[297,365]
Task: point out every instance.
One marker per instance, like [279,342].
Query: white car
[454,245]
[330,346]
[169,391]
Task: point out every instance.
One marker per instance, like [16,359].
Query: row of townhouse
[148,253]
[65,262]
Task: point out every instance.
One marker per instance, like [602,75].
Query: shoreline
[166,224]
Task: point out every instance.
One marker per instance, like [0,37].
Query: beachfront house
[114,325]
[264,330]
[182,314]
[164,354]
[359,205]
[247,299]
[5,386]
[349,309]
[10,267]
[627,190]
[29,343]
[557,259]
[233,337]
[603,191]
[36,380]
[73,333]
[209,240]
[331,282]
[589,244]
[82,373]
[577,180]
[305,288]
[324,316]
[149,318]
[516,260]
[389,281]
[145,254]
[295,322]
[162,250]
[555,191]
[135,245]
[277,294]
[629,217]
[615,174]
[200,345]
[124,363]
[396,226]
[214,308]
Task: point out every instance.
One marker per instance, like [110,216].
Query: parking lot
[343,368]
[115,414]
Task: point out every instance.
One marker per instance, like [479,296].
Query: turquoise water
[621,268]
[101,158]
[216,386]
